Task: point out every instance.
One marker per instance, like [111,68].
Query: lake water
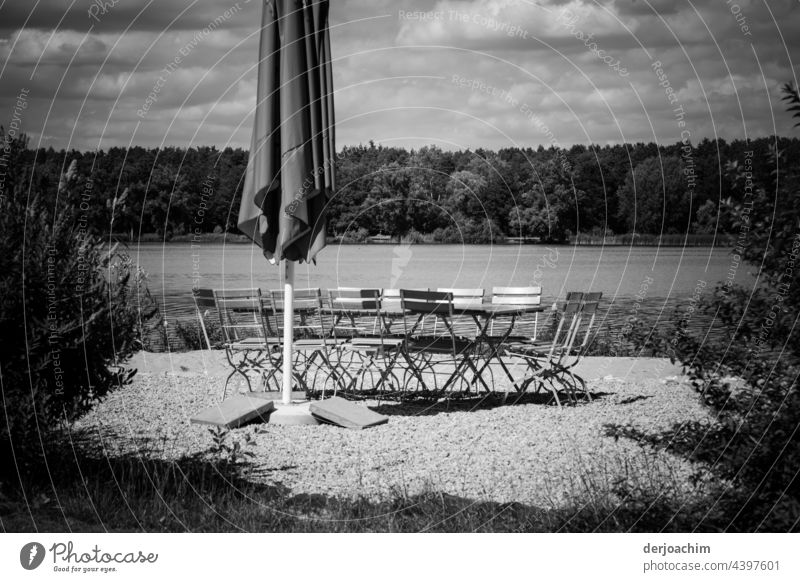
[664,276]
[646,282]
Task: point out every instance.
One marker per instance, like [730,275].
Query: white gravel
[529,453]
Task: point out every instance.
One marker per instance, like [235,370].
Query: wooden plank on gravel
[347,414]
[235,411]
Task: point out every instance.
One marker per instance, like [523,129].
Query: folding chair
[545,359]
[423,353]
[369,351]
[356,304]
[392,310]
[314,348]
[203,303]
[305,303]
[248,345]
[584,330]
[525,296]
[462,299]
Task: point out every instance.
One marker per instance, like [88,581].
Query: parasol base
[292,414]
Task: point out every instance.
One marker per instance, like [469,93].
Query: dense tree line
[425,194]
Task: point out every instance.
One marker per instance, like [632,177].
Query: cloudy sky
[456,73]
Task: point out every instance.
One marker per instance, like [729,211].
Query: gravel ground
[529,453]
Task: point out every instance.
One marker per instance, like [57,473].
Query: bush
[748,377]
[191,335]
[72,309]
[359,235]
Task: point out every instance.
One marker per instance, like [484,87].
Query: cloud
[119,15]
[394,69]
[503,24]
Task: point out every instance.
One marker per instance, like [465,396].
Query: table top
[493,309]
[484,309]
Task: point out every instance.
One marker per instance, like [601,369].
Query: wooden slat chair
[248,345]
[204,303]
[392,310]
[306,303]
[545,360]
[523,296]
[584,334]
[369,351]
[463,298]
[390,299]
[423,353]
[314,348]
[356,301]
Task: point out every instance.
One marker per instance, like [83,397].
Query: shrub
[748,377]
[72,309]
[191,336]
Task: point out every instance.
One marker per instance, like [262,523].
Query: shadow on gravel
[633,399]
[80,490]
[488,402]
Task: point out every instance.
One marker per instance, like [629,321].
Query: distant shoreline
[671,240]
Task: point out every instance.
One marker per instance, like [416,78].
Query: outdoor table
[386,348]
[483,346]
[303,311]
[483,314]
[352,313]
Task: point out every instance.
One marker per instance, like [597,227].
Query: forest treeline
[425,194]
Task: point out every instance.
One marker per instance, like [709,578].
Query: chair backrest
[354,298]
[203,302]
[576,323]
[358,312]
[241,314]
[464,297]
[307,298]
[427,302]
[204,299]
[568,318]
[517,295]
[307,304]
[591,302]
[390,299]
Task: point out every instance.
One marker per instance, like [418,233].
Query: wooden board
[347,414]
[235,411]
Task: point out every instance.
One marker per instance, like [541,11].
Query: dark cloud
[113,16]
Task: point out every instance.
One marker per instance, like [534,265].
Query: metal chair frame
[420,351]
[524,296]
[545,361]
[248,345]
[314,348]
[368,353]
[203,303]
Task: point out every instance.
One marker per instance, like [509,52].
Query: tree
[654,198]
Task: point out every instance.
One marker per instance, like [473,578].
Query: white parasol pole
[288,331]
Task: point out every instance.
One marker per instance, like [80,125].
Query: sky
[458,74]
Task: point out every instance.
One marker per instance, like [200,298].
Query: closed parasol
[290,172]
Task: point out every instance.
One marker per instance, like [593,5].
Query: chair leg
[237,369]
